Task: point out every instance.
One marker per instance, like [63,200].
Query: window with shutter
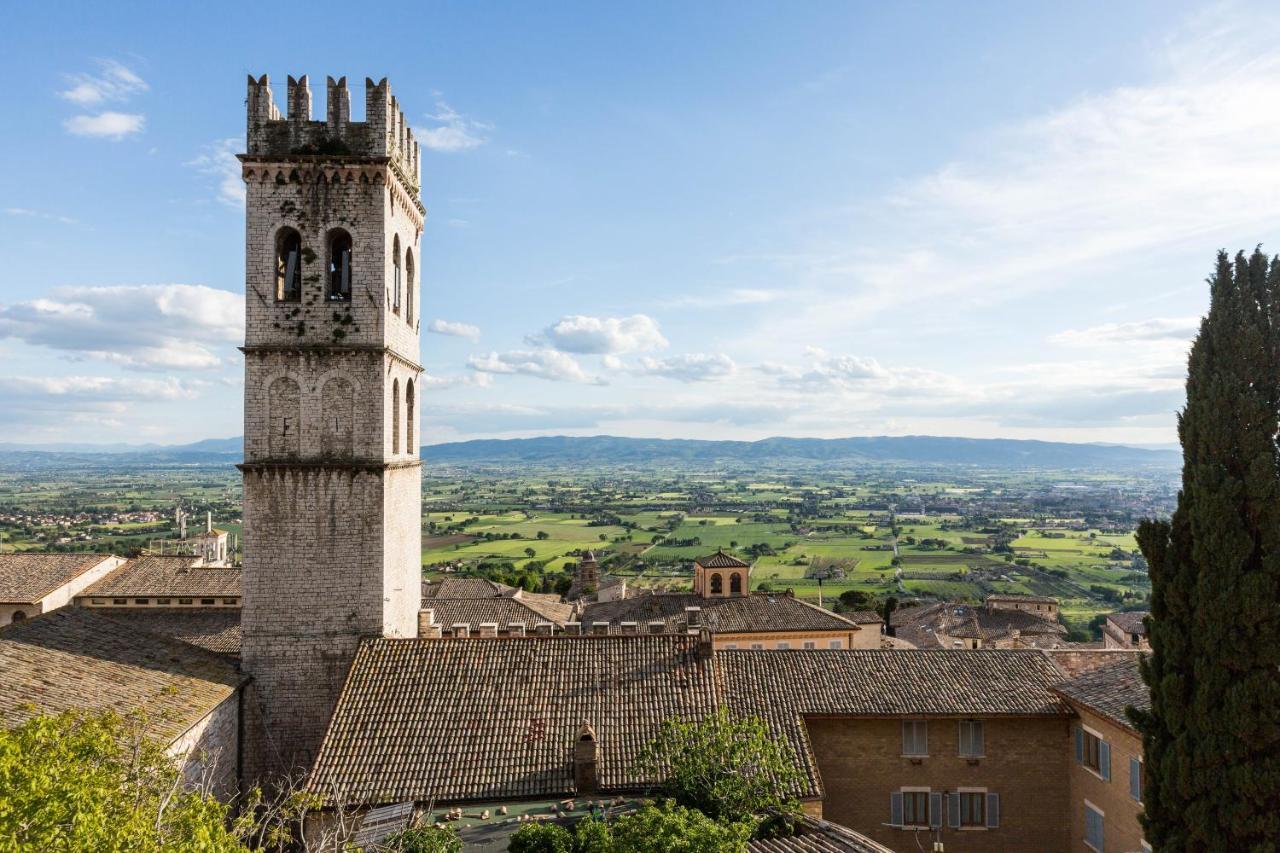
[993,811]
[953,811]
[1079,733]
[935,811]
[1093,828]
[1104,760]
[1135,778]
[915,808]
[972,809]
[895,809]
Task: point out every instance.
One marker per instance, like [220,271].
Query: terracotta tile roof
[758,612]
[864,617]
[819,836]
[27,577]
[921,625]
[73,658]
[1109,689]
[483,719]
[477,611]
[721,560]
[1014,596]
[464,588]
[1130,622]
[490,719]
[166,576]
[214,628]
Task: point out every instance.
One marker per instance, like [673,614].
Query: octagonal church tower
[332,479]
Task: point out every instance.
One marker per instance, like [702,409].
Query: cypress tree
[1212,737]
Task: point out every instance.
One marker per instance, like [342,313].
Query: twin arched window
[339,266]
[288,265]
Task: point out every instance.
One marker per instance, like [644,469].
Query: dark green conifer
[1212,737]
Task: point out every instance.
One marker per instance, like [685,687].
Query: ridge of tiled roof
[1109,689]
[721,560]
[26,577]
[465,587]
[167,576]
[75,659]
[724,615]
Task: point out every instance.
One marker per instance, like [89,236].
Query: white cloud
[689,367]
[88,405]
[40,214]
[113,82]
[543,363]
[109,125]
[454,329]
[454,131]
[728,298]
[163,326]
[603,335]
[218,161]
[1158,329]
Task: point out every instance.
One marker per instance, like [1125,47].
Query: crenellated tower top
[384,134]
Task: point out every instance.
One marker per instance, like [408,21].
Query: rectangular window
[162,601]
[784,646]
[99,601]
[142,601]
[1094,753]
[184,601]
[731,646]
[915,808]
[973,808]
[972,738]
[119,601]
[810,644]
[915,737]
[836,644]
[756,647]
[208,601]
[1093,832]
[229,601]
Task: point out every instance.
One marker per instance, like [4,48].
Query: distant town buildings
[1003,622]
[1126,630]
[31,584]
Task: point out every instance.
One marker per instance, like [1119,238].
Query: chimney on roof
[585,758]
[693,619]
[208,522]
[488,629]
[426,620]
[705,645]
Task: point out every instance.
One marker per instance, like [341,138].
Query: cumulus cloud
[1159,329]
[155,327]
[107,125]
[90,404]
[603,335]
[453,131]
[218,161]
[454,329]
[113,82]
[690,367]
[543,363]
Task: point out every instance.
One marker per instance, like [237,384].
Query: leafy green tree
[1212,737]
[79,782]
[670,828]
[594,836]
[730,768]
[541,837]
[425,839]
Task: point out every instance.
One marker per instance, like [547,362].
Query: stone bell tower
[332,479]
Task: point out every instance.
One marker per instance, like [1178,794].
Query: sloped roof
[1109,689]
[464,588]
[1130,622]
[477,611]
[758,612]
[214,628]
[920,626]
[484,719]
[864,617]
[167,576]
[490,719]
[818,836]
[721,560]
[27,577]
[74,658]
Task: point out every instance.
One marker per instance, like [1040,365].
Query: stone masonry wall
[211,750]
[1026,763]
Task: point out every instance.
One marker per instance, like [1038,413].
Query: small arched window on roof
[288,265]
[339,265]
[395,416]
[408,286]
[717,585]
[735,583]
[409,418]
[18,615]
[395,274]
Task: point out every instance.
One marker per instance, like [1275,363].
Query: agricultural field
[928,534]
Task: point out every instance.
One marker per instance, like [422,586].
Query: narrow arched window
[395,416]
[284,414]
[408,286]
[735,583]
[339,265]
[395,274]
[288,265]
[717,585]
[409,419]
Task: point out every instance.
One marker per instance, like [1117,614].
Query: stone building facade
[332,480]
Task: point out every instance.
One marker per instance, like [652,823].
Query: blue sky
[712,220]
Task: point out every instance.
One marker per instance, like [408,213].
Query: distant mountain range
[607,449]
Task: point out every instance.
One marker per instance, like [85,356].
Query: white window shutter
[1104,759]
[1135,779]
[993,810]
[953,811]
[935,811]
[895,808]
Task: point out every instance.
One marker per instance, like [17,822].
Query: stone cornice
[327,349]
[357,466]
